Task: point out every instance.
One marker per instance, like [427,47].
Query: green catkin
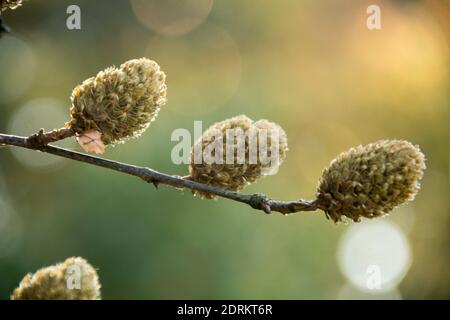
[120,103]
[51,283]
[234,176]
[10,4]
[369,181]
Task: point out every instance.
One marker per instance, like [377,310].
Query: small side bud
[74,279]
[369,181]
[91,141]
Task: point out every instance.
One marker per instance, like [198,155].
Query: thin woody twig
[256,201]
[42,138]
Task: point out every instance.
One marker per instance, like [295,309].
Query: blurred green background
[311,66]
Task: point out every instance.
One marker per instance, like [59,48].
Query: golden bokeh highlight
[171,17]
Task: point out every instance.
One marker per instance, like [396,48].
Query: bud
[119,102]
[57,282]
[245,164]
[10,4]
[369,181]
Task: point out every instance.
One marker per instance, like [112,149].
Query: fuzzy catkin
[51,283]
[369,181]
[120,103]
[10,4]
[238,174]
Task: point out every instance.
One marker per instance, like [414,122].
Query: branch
[43,138]
[256,201]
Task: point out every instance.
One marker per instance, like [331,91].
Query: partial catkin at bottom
[74,279]
[10,4]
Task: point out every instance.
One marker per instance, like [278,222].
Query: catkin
[120,103]
[10,4]
[241,172]
[369,181]
[53,283]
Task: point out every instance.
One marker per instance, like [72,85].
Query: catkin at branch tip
[120,103]
[10,4]
[235,176]
[369,181]
[53,283]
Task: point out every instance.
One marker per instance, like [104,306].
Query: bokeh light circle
[374,256]
[171,17]
[349,292]
[44,113]
[17,66]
